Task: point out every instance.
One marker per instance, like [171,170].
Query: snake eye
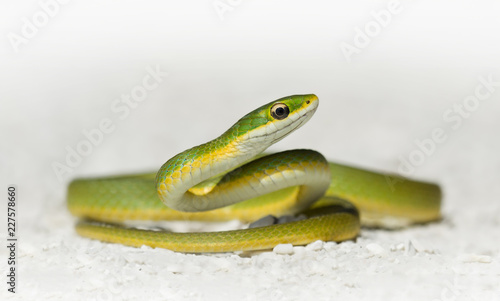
[279,111]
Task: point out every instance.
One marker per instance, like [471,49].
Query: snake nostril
[308,101]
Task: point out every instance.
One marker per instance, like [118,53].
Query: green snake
[229,178]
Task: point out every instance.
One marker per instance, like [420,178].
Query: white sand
[397,89]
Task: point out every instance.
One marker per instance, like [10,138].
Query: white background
[373,106]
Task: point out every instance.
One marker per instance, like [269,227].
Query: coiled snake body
[221,180]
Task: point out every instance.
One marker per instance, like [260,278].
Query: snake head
[271,122]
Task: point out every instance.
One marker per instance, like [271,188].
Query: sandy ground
[426,90]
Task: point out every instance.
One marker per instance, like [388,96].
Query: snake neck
[200,163]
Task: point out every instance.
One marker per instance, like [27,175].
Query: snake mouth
[287,129]
[284,127]
[303,116]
